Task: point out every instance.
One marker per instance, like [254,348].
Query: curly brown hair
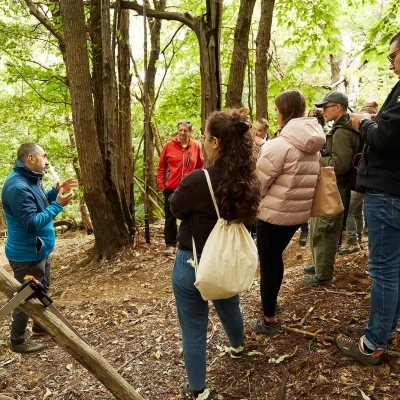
[238,193]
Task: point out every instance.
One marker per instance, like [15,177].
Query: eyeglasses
[202,137]
[391,57]
[332,105]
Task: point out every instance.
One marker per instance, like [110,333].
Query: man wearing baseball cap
[342,144]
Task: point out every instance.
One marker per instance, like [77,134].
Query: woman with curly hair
[288,169]
[229,146]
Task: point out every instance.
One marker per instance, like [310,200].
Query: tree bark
[125,123]
[69,341]
[109,225]
[240,54]
[262,60]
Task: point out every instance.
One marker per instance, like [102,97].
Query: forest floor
[125,309]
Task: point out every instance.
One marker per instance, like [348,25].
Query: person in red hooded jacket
[179,156]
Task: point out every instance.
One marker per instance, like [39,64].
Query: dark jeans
[41,271]
[272,240]
[170,228]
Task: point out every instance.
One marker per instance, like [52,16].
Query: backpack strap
[211,192]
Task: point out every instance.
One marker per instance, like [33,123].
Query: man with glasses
[29,212]
[379,175]
[342,144]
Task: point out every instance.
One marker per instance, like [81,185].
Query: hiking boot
[190,393]
[270,330]
[313,280]
[169,251]
[352,247]
[358,330]
[303,238]
[37,330]
[236,352]
[354,348]
[309,269]
[27,346]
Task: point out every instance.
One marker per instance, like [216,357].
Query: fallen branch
[314,335]
[69,341]
[339,292]
[281,395]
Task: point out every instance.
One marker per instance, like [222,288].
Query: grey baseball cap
[334,97]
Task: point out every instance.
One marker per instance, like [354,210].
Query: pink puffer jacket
[288,169]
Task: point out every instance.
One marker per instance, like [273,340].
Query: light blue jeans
[382,213]
[193,319]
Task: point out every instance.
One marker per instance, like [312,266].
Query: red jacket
[177,161]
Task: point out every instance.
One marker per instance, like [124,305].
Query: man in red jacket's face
[184,131]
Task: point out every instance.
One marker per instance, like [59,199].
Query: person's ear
[215,143]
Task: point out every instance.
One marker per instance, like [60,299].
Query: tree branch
[185,18]
[44,21]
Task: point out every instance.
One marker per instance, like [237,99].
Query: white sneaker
[189,393]
[170,251]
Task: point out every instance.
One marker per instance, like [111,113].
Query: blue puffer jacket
[29,212]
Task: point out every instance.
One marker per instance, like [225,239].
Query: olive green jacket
[342,144]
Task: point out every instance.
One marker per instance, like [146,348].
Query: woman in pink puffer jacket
[288,169]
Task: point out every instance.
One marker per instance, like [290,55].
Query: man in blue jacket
[29,212]
[379,175]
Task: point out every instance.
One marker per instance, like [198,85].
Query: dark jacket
[29,212]
[342,145]
[192,203]
[380,162]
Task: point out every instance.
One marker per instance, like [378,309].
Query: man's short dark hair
[395,38]
[25,149]
[264,122]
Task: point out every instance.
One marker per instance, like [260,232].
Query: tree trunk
[125,111]
[239,54]
[69,341]
[109,225]
[262,60]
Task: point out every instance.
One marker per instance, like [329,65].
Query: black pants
[272,240]
[41,271]
[170,228]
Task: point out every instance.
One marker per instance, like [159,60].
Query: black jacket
[380,162]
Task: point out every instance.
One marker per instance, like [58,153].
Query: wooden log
[68,340]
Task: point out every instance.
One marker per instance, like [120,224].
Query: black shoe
[309,269]
[37,330]
[313,280]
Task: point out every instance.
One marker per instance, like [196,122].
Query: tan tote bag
[327,200]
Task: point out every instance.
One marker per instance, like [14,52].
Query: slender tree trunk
[125,110]
[208,32]
[239,54]
[109,225]
[262,60]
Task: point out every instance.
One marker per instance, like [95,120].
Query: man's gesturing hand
[64,199]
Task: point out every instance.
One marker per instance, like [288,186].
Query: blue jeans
[382,213]
[193,319]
